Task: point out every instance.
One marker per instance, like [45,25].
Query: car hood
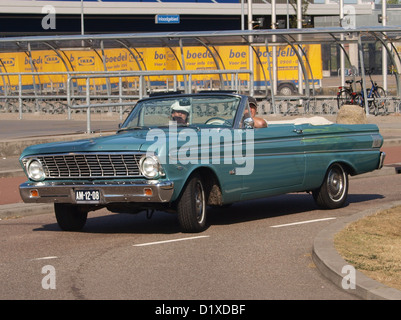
[123,142]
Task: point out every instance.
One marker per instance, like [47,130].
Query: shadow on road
[104,222]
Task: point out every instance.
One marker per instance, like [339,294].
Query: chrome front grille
[90,165]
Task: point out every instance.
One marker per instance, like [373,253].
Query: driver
[258,122]
[180,113]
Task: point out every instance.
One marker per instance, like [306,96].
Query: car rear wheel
[70,217]
[333,192]
[191,207]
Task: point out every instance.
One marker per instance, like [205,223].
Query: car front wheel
[191,207]
[333,192]
[70,217]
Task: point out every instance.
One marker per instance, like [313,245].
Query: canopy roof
[232,37]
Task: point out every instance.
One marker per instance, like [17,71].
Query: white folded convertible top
[316,121]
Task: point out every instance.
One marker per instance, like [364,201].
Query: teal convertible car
[184,152]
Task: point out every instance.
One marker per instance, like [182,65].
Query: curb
[14,147]
[391,142]
[330,263]
[12,173]
[16,210]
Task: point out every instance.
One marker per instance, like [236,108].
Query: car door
[278,161]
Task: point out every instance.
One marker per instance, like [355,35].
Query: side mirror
[248,123]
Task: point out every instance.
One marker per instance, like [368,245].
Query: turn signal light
[148,191]
[34,193]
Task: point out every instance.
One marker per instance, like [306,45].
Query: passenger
[258,122]
[180,113]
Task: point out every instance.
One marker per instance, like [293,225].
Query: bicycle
[346,94]
[376,97]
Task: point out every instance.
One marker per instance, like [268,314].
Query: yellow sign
[155,59]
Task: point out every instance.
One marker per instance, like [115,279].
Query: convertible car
[181,153]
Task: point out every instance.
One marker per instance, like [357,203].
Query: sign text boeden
[167,18]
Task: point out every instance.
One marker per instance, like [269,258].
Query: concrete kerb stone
[330,263]
[17,210]
[14,147]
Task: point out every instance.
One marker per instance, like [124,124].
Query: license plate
[87,195]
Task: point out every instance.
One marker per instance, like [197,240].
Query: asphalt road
[252,250]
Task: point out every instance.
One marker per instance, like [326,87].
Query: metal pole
[82,17]
[274,49]
[299,26]
[88,112]
[141,80]
[362,63]
[69,97]
[20,96]
[384,51]
[273,105]
[342,57]
[120,93]
[288,15]
[184,77]
[242,16]
[250,27]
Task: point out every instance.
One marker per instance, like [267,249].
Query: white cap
[177,107]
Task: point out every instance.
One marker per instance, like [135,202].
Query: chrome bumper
[381,161]
[110,192]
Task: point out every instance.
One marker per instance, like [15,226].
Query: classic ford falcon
[183,152]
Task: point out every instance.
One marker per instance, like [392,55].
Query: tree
[392,1]
[304,4]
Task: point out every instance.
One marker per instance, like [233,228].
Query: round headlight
[150,167]
[35,170]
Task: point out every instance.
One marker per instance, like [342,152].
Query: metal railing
[120,90]
[127,85]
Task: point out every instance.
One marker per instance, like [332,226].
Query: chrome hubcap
[199,203]
[336,184]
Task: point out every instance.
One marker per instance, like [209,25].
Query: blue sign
[167,18]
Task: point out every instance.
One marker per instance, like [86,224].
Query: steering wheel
[217,120]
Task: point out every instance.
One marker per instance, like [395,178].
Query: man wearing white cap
[180,113]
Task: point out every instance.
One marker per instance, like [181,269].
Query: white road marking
[45,258]
[167,241]
[301,222]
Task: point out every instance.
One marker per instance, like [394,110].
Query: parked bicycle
[376,97]
[346,94]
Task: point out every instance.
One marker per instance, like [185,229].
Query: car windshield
[195,110]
